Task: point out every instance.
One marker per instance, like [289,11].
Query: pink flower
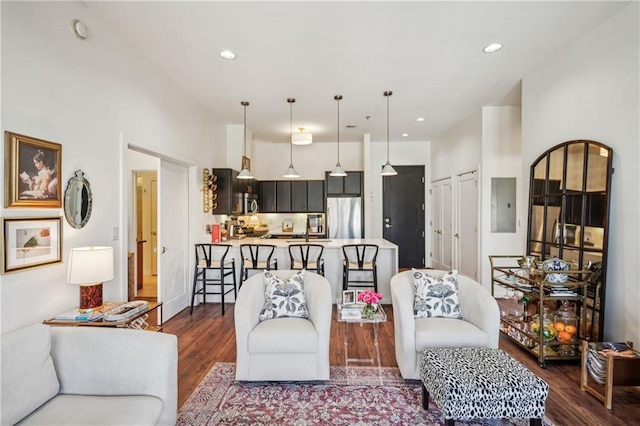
[369,297]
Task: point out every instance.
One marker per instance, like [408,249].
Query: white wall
[501,157]
[590,91]
[458,149]
[270,160]
[89,96]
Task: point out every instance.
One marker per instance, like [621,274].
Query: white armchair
[480,326]
[283,348]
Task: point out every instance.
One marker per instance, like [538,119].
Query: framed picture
[348,297]
[31,242]
[358,294]
[33,172]
[246,163]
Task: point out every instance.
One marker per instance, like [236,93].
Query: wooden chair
[256,257]
[212,258]
[359,258]
[307,256]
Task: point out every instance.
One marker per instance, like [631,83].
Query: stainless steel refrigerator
[344,217]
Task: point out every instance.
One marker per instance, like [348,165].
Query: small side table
[153,307]
[379,317]
[621,371]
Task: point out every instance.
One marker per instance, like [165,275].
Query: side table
[154,310]
[621,371]
[380,316]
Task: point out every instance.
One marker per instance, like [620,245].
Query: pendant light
[338,170]
[387,169]
[245,173]
[291,172]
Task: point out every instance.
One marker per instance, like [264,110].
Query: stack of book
[93,315]
[597,357]
[351,312]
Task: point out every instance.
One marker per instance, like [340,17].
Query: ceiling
[428,53]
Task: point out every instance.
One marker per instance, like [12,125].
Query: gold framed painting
[31,242]
[33,171]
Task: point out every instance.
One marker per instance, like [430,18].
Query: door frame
[422,221]
[462,177]
[127,210]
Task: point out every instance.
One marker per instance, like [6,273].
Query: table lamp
[89,267]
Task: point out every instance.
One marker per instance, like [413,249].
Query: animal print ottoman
[480,383]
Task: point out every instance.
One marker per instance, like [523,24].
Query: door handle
[456,235]
[164,249]
[386,225]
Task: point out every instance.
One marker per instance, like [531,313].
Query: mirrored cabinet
[568,216]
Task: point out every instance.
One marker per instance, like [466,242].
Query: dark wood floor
[207,337]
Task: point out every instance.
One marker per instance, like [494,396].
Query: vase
[369,311]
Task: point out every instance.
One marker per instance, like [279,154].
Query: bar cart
[540,334]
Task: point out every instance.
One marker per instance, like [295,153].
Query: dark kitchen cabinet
[226,186]
[299,196]
[349,185]
[283,196]
[315,196]
[268,196]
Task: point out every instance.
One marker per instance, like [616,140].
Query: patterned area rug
[352,396]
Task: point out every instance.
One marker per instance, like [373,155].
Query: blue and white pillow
[436,297]
[284,298]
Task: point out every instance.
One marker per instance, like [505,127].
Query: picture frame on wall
[31,242]
[33,171]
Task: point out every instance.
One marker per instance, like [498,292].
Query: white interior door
[154,224]
[447,225]
[173,275]
[442,228]
[466,237]
[436,225]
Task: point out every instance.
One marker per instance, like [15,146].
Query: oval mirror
[78,201]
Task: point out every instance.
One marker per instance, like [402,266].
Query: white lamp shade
[245,174]
[90,265]
[338,171]
[302,138]
[388,170]
[291,173]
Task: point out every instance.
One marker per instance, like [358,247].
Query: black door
[403,214]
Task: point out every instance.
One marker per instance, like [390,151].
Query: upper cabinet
[568,216]
[267,196]
[298,196]
[315,196]
[349,185]
[226,185]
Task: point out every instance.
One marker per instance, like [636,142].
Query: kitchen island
[387,259]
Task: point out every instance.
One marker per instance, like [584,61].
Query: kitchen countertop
[327,243]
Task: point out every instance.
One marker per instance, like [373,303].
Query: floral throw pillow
[436,297]
[284,298]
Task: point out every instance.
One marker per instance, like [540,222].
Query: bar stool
[359,258]
[213,257]
[302,257]
[256,257]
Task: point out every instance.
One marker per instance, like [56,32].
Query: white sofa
[88,376]
[480,326]
[283,348]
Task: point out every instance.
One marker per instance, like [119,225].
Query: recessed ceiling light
[404,135]
[420,119]
[227,54]
[493,47]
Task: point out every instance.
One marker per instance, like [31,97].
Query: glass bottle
[566,325]
[548,329]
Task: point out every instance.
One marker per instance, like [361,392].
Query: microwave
[249,203]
